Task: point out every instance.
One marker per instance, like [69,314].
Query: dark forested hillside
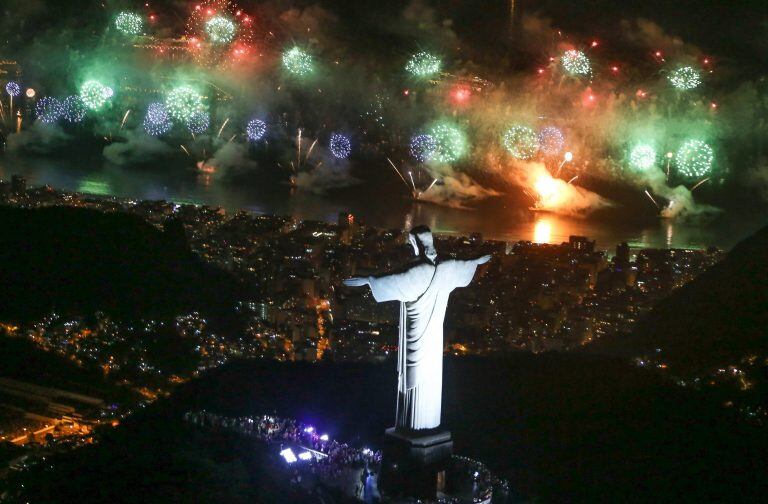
[562,428]
[717,320]
[78,261]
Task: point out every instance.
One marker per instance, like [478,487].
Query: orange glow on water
[542,231]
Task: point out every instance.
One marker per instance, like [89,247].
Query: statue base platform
[414,462]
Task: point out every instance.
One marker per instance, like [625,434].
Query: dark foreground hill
[717,320]
[78,261]
[21,360]
[719,317]
[562,428]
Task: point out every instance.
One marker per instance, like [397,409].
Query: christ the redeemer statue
[423,290]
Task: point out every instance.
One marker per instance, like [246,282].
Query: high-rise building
[581,243]
[622,256]
[18,184]
[262,311]
[347,227]
[345,218]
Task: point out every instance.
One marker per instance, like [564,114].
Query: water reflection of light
[542,231]
[204,179]
[670,234]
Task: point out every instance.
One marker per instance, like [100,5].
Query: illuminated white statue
[422,289]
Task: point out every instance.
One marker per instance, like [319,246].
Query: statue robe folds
[423,292]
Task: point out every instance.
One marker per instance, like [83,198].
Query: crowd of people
[330,460]
[354,470]
[483,481]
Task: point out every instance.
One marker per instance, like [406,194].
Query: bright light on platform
[288,455]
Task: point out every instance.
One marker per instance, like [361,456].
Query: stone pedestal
[414,462]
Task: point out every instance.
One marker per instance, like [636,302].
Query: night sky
[359,88]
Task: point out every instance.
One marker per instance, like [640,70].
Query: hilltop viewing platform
[311,460]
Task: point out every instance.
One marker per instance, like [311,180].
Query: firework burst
[340,146]
[642,157]
[199,122]
[95,94]
[129,23]
[298,62]
[450,142]
[694,159]
[183,103]
[219,31]
[157,121]
[551,141]
[73,109]
[255,130]
[13,89]
[423,65]
[576,63]
[685,78]
[521,142]
[423,147]
[49,109]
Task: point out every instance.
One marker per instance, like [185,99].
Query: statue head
[422,242]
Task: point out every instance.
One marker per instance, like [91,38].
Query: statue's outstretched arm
[482,259]
[461,271]
[357,281]
[407,285]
